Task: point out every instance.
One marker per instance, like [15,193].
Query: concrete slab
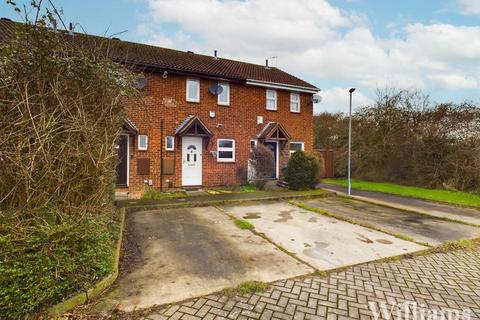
[442,210]
[422,228]
[323,242]
[178,254]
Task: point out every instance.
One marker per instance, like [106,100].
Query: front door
[192,161]
[272,145]
[122,166]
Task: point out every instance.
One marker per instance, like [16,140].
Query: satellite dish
[215,90]
[141,83]
[316,98]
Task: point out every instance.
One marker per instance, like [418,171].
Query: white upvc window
[225,150]
[271,99]
[224,97]
[142,142]
[296,146]
[193,90]
[294,102]
[169,143]
[253,144]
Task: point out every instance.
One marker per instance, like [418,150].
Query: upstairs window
[225,150]
[142,142]
[169,143]
[193,90]
[294,102]
[271,99]
[296,146]
[224,97]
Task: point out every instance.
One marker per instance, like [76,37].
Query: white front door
[192,161]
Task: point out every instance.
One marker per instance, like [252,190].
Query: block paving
[436,281]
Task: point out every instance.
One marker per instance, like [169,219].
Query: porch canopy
[193,126]
[129,127]
[274,131]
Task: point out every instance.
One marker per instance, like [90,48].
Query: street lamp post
[350,142]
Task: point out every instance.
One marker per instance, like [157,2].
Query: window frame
[166,143]
[296,142]
[295,94]
[140,148]
[222,103]
[255,141]
[275,99]
[198,90]
[232,149]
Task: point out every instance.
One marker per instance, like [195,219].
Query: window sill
[225,161]
[294,111]
[272,110]
[192,101]
[224,105]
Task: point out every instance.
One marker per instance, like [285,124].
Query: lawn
[454,197]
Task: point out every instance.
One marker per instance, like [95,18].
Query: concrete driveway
[420,227]
[176,254]
[323,242]
[442,210]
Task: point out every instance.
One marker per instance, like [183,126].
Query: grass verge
[447,196]
[243,224]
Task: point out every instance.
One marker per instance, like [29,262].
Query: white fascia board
[275,85]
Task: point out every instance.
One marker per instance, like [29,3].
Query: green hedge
[50,261]
[303,171]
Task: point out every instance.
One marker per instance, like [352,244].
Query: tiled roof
[160,59]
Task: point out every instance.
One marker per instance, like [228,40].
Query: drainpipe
[161,156]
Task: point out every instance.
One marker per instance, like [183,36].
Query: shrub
[61,110]
[263,163]
[321,164]
[302,171]
[44,262]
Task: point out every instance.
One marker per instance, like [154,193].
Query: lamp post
[350,142]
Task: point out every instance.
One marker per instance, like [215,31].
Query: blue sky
[432,45]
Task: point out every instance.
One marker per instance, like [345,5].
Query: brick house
[186,132]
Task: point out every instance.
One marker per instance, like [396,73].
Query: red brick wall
[165,99]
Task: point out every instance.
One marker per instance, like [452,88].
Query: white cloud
[322,43]
[469,7]
[338,100]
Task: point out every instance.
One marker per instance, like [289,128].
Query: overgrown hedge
[404,137]
[62,105]
[45,261]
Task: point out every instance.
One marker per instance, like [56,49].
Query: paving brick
[436,281]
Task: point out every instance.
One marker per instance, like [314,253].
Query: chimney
[215,54]
[266,64]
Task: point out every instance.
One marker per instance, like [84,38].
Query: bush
[60,116]
[263,162]
[321,164]
[43,262]
[302,171]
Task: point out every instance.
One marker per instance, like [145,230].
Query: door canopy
[129,127]
[193,126]
[274,131]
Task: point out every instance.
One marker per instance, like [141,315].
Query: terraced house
[200,116]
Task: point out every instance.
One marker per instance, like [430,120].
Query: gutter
[283,86]
[260,83]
